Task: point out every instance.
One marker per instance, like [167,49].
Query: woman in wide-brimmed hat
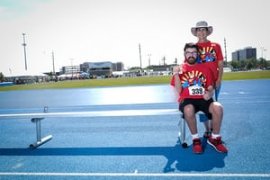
[211,55]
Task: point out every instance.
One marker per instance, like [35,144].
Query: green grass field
[129,81]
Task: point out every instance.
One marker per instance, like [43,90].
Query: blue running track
[137,147]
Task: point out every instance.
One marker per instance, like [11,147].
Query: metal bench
[38,117]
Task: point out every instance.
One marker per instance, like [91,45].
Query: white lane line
[258,175]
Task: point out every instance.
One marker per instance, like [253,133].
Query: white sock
[195,136]
[215,136]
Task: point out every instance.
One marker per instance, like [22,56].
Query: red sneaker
[197,146]
[217,144]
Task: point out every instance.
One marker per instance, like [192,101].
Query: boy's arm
[220,59]
[209,91]
[176,79]
[177,83]
[220,74]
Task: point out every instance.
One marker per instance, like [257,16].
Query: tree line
[236,65]
[249,64]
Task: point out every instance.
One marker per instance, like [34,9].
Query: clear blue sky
[110,30]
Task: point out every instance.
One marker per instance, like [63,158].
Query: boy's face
[191,55]
[202,32]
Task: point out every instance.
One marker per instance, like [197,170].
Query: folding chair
[182,134]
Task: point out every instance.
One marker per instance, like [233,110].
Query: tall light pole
[24,48]
[149,60]
[71,68]
[140,55]
[225,52]
[53,65]
[262,49]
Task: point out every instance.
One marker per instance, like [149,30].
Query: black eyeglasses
[191,53]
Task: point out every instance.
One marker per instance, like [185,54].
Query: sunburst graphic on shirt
[207,54]
[193,78]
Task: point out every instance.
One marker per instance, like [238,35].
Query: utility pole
[263,49]
[225,52]
[164,60]
[175,61]
[24,48]
[53,65]
[140,55]
[71,68]
[149,60]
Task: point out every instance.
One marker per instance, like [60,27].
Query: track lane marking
[258,175]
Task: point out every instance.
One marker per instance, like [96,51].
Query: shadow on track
[182,159]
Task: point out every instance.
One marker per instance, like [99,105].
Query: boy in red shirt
[194,83]
[211,55]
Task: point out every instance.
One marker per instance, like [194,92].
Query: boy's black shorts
[199,105]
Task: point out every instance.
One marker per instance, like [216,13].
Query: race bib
[195,90]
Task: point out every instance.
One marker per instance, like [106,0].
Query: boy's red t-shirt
[194,80]
[210,53]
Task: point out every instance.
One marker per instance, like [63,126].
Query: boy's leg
[216,110]
[207,124]
[203,117]
[217,91]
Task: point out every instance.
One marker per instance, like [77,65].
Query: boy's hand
[208,93]
[178,69]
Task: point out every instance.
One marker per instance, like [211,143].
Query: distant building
[103,69]
[235,56]
[95,69]
[244,54]
[119,66]
[70,69]
[27,78]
